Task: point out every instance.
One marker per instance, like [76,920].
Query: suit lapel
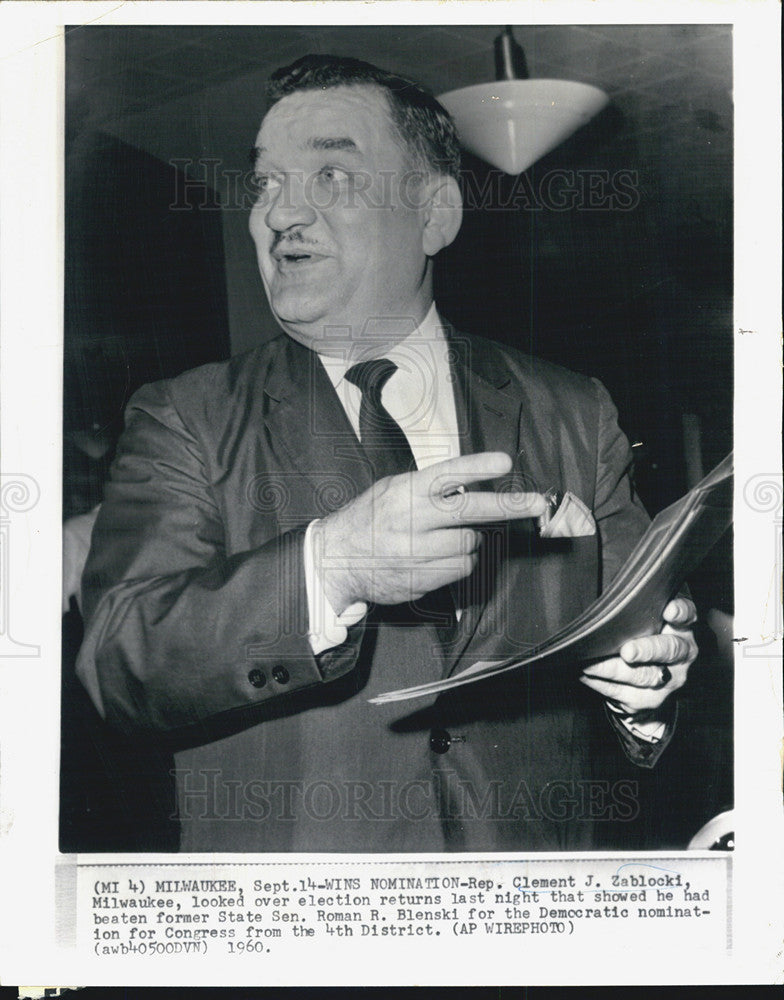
[310,432]
[502,410]
[498,410]
[488,420]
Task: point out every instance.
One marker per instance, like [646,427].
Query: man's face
[337,229]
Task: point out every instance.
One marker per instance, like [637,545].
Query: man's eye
[334,175]
[263,184]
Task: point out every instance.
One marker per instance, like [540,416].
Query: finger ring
[665,678]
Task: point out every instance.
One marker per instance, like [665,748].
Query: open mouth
[295,258]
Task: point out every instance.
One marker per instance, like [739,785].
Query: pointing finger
[446,477]
[485,507]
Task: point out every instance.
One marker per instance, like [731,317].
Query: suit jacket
[197,617]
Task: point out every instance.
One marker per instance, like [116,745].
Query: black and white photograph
[279,237]
[391,503]
[335,352]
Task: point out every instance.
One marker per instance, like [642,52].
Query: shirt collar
[429,334]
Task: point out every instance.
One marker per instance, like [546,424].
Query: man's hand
[650,668]
[413,533]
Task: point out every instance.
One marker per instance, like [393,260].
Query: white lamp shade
[513,123]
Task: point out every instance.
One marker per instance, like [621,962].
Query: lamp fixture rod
[510,61]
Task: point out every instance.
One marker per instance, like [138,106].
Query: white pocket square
[571,520]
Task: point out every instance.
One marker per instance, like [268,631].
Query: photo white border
[31,296]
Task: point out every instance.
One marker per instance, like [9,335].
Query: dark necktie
[384,443]
[389,452]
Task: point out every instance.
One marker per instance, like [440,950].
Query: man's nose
[290,205]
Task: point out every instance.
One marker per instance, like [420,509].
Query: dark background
[638,295]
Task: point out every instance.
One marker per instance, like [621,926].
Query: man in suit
[354,507]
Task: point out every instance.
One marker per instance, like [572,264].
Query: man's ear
[443,214]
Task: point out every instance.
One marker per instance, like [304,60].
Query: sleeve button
[281,675]
[257,677]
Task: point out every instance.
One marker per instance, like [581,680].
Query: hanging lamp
[515,121]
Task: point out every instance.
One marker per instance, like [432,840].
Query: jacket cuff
[640,751]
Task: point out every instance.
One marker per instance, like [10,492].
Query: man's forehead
[359,113]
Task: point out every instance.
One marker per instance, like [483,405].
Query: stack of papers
[676,542]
